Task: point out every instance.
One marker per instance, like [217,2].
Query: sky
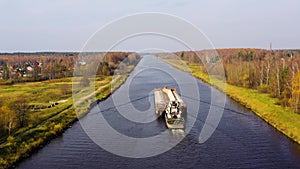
[66,25]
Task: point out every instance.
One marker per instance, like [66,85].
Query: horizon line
[68,51]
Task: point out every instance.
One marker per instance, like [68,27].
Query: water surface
[241,140]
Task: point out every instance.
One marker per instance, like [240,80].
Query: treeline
[104,63]
[25,67]
[275,72]
[35,67]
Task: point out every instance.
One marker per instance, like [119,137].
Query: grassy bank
[48,123]
[264,106]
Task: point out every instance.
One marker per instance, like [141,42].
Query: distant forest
[275,72]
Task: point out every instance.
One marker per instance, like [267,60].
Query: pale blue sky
[65,25]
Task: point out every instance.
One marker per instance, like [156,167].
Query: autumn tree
[105,69]
[21,108]
[7,119]
[295,99]
[132,58]
[85,82]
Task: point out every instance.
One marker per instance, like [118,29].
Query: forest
[275,72]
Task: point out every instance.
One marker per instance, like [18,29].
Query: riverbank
[35,137]
[24,142]
[264,106]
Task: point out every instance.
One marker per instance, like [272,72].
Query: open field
[47,122]
[33,110]
[266,107]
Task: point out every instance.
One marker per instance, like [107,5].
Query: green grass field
[40,94]
[46,123]
[261,104]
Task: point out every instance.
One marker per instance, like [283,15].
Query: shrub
[11,139]
[264,88]
[2,162]
[58,128]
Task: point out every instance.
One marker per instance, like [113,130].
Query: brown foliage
[85,82]
[24,67]
[268,71]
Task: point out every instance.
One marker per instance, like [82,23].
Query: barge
[169,105]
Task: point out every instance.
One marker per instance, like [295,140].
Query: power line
[222,107]
[202,101]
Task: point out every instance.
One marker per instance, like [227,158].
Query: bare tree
[20,106]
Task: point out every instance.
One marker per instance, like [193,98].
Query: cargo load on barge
[169,105]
